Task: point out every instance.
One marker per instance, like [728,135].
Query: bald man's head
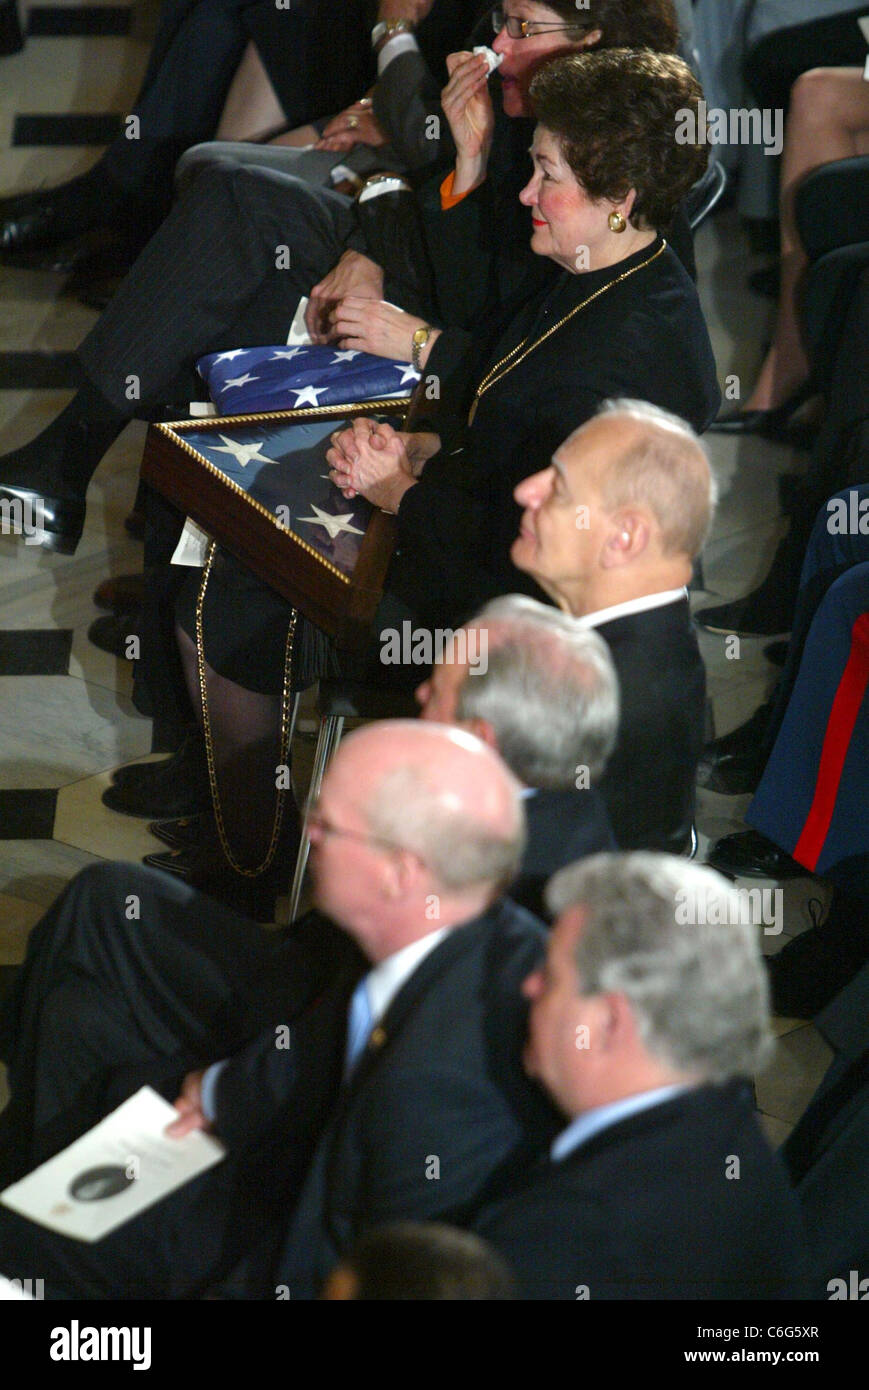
[622,512]
[657,461]
[425,812]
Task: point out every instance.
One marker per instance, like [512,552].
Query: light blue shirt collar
[591,1122]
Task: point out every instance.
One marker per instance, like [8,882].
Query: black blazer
[645,337]
[563,826]
[645,1209]
[438,1111]
[648,784]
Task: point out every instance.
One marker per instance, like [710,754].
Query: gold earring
[616,222]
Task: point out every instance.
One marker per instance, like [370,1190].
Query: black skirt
[244,631]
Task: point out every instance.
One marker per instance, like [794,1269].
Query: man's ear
[590,39]
[627,539]
[616,1020]
[482,729]
[401,868]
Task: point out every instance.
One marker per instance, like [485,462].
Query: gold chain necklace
[496,374]
[286,702]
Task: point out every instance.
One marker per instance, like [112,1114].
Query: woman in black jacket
[622,319]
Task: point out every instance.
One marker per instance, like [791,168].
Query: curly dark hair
[623,23]
[615,113]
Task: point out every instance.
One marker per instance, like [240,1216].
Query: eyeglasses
[315,819]
[524,28]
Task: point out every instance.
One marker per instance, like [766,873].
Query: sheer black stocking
[245,729]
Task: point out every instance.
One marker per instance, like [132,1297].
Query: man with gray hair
[547,699]
[645,1025]
[610,531]
[395,1092]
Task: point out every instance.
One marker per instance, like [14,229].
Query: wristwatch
[420,338]
[376,184]
[387,29]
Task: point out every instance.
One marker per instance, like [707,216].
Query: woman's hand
[370,459]
[377,328]
[412,10]
[468,107]
[358,125]
[355,275]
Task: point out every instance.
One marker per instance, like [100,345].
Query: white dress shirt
[591,1122]
[631,605]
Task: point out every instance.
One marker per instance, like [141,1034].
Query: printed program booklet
[118,1169]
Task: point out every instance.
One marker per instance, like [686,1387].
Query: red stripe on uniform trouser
[840,726]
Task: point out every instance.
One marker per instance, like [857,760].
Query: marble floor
[61,734]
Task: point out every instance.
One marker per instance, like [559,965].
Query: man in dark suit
[128,965]
[412,1105]
[611,531]
[644,1027]
[542,691]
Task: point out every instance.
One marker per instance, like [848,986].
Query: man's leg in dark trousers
[194,57]
[132,976]
[209,280]
[828,555]
[811,797]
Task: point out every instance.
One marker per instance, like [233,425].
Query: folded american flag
[254,381]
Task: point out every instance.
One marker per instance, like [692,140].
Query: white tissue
[493,59]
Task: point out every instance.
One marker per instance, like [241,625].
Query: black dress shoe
[187,764]
[732,764]
[731,774]
[31,221]
[172,861]
[173,787]
[810,969]
[745,737]
[120,594]
[204,868]
[113,632]
[55,523]
[777,424]
[184,833]
[749,617]
[150,801]
[748,854]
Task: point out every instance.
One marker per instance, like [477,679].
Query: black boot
[48,478]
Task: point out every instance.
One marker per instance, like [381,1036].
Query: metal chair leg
[331,729]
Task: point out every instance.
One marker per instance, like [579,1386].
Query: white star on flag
[408,373]
[228,356]
[346,355]
[242,453]
[286,354]
[333,524]
[309,395]
[239,380]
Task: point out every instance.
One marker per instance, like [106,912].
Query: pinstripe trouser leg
[209,280]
